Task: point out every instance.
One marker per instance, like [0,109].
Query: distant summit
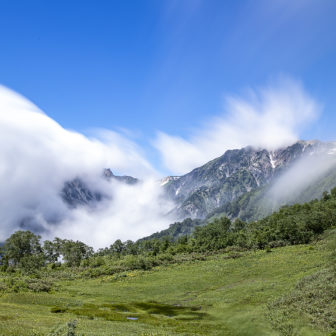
[76,192]
[107,173]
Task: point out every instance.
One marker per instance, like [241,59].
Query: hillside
[236,173]
[257,204]
[222,295]
[236,184]
[227,278]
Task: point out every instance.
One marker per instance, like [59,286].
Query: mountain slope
[260,203]
[76,192]
[237,172]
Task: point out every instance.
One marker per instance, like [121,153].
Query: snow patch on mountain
[272,161]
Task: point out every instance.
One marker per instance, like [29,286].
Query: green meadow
[251,293]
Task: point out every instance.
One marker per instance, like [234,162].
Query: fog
[311,168]
[38,156]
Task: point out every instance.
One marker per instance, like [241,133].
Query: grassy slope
[222,297]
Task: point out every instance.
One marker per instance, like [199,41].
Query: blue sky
[149,66]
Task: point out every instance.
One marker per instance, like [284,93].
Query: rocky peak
[168,179]
[234,173]
[77,193]
[107,173]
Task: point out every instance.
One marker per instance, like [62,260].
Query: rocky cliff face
[76,193]
[235,173]
[220,186]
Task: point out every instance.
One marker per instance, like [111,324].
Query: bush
[165,258]
[22,284]
[131,262]
[39,285]
[3,287]
[277,243]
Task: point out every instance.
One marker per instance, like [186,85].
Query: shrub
[39,285]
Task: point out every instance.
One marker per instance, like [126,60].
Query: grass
[243,296]
[313,300]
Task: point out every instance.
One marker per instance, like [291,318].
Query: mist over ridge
[39,157]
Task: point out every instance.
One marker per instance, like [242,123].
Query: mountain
[236,173]
[76,192]
[244,184]
[107,174]
[238,184]
[257,204]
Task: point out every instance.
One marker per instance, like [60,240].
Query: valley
[221,295]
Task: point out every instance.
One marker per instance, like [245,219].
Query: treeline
[296,224]
[178,229]
[23,250]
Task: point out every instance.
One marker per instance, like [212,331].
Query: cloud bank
[269,117]
[38,156]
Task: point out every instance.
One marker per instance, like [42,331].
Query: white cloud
[269,117]
[38,156]
[132,212]
[291,183]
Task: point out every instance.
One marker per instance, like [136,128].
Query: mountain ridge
[233,174]
[217,184]
[76,193]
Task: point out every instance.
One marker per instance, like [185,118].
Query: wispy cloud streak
[268,117]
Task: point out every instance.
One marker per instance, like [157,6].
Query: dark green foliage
[39,285]
[117,248]
[178,229]
[214,236]
[296,224]
[131,262]
[25,283]
[74,252]
[52,250]
[23,249]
